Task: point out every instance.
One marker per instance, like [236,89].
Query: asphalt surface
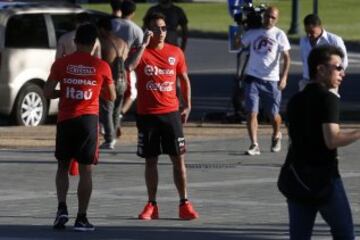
[235,194]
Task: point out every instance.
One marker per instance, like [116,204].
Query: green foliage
[339,16]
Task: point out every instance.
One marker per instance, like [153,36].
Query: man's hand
[185,114]
[147,36]
[282,84]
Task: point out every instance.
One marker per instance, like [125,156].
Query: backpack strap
[116,49]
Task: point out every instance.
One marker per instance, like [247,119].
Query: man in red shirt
[159,120]
[82,79]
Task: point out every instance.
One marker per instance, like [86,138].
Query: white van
[28,37]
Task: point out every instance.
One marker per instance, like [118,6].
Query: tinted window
[27,31]
[95,16]
[63,23]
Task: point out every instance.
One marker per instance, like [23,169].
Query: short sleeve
[330,112]
[284,42]
[181,66]
[55,74]
[106,74]
[245,40]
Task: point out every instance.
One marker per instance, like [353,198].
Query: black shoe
[60,219]
[83,225]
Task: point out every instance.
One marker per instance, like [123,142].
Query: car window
[27,31]
[63,23]
[95,16]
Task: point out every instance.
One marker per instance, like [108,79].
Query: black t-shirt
[174,17]
[306,112]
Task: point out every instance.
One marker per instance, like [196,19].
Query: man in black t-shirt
[175,18]
[314,131]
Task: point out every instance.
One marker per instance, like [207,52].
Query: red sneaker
[187,212]
[149,212]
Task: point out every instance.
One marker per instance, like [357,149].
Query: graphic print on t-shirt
[81,78]
[83,81]
[263,44]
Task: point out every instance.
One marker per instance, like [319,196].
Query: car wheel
[31,106]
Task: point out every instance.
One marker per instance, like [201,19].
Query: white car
[28,37]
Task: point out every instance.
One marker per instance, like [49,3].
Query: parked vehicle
[28,37]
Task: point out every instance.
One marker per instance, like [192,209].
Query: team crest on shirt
[171,60]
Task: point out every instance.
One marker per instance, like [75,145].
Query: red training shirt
[156,82]
[81,78]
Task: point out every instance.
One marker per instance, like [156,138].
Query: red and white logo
[79,81]
[151,70]
[172,61]
[80,70]
[75,94]
[162,87]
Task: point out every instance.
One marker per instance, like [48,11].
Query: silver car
[28,37]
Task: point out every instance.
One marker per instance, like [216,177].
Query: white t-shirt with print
[266,47]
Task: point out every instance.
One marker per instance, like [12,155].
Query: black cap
[86,34]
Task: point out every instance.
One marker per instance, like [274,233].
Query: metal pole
[315,7]
[294,27]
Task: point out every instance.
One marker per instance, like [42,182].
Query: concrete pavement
[236,195]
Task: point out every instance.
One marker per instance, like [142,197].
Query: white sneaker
[108,145]
[276,143]
[253,150]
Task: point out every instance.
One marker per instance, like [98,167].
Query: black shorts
[159,134]
[78,138]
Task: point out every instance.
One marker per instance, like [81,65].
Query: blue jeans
[110,116]
[336,212]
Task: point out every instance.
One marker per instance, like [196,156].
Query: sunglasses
[159,29]
[338,68]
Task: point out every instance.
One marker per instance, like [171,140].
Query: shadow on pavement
[247,232]
[139,233]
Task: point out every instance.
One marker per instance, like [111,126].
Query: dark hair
[312,19]
[83,17]
[127,7]
[321,55]
[105,23]
[153,17]
[86,34]
[116,4]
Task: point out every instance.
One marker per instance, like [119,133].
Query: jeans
[265,92]
[110,116]
[106,118]
[336,212]
[118,104]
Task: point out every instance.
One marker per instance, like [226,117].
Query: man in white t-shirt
[317,36]
[123,27]
[66,44]
[264,78]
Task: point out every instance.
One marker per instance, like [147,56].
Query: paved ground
[236,195]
